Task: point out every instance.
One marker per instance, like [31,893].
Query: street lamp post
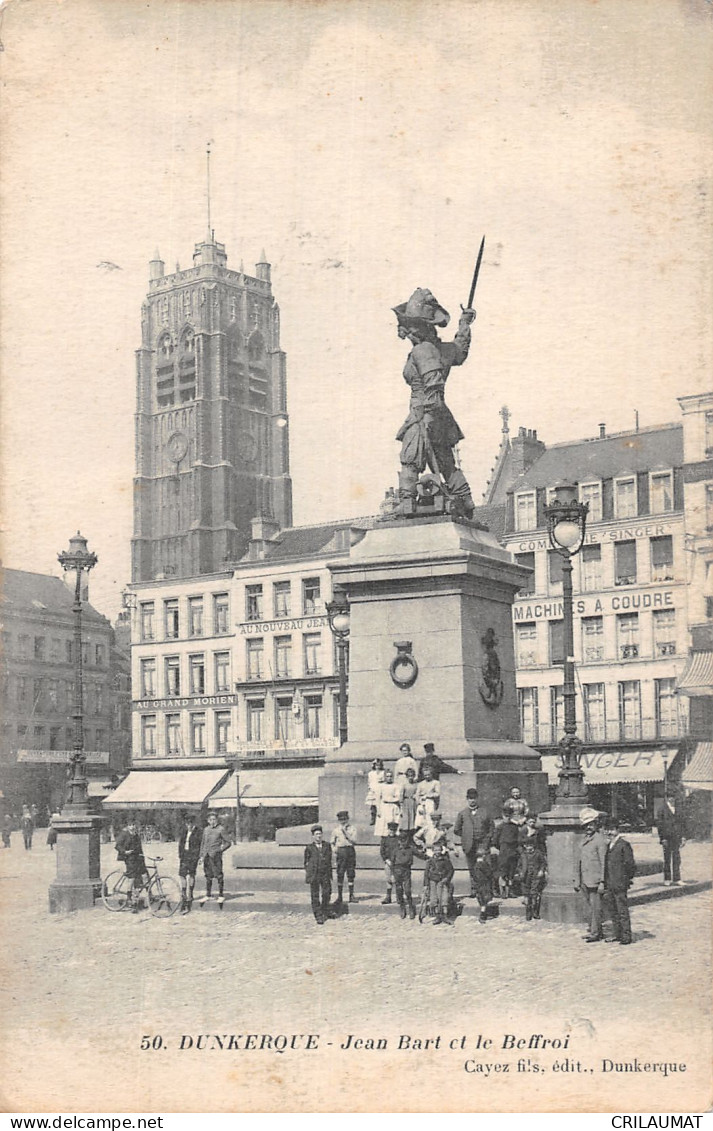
[78,879]
[566,527]
[78,559]
[338,616]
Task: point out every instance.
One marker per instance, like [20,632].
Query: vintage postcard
[357,604]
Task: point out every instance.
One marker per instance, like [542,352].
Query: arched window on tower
[257,374]
[187,366]
[165,375]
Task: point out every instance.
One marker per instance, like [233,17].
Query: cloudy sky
[367,147]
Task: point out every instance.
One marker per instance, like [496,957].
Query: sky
[367,147]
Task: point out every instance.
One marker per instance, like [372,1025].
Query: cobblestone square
[82,993]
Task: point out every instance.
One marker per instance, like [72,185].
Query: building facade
[631,611]
[38,690]
[241,664]
[212,431]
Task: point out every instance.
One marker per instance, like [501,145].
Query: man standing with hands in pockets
[213,844]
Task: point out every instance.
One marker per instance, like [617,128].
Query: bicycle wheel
[116,889]
[423,906]
[164,896]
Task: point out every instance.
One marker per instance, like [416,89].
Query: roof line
[614,435]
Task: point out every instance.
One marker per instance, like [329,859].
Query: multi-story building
[696,683]
[38,690]
[630,604]
[239,664]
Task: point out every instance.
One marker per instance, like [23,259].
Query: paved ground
[83,989]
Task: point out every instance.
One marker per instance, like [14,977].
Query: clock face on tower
[176,446]
[247,447]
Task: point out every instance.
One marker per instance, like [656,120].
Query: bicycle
[163,893]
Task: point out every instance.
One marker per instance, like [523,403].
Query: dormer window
[525,511]
[661,492]
[625,497]
[592,493]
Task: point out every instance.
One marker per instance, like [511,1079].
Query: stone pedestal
[78,881]
[440,591]
[560,902]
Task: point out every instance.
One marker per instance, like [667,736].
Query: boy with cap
[344,838]
[591,870]
[438,877]
[401,864]
[318,874]
[214,842]
[619,872]
[389,844]
[532,874]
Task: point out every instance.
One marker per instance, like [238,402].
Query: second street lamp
[338,616]
[566,526]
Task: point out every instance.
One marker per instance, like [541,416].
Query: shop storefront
[629,784]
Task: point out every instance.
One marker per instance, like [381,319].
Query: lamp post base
[78,882]
[560,902]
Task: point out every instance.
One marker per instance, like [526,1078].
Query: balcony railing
[612,731]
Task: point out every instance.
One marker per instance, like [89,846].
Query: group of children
[501,859]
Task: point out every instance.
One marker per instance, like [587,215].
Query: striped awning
[698,774]
[697,678]
[277,786]
[602,767]
[165,789]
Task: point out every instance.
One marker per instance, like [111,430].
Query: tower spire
[207,172]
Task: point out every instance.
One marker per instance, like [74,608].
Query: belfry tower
[212,431]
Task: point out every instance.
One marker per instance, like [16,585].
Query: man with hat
[435,763]
[592,865]
[430,433]
[318,874]
[475,829]
[344,838]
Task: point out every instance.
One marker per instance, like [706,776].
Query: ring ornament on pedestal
[403,669]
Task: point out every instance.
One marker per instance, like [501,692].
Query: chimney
[525,449]
[263,530]
[602,431]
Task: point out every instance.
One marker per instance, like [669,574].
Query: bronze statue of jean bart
[430,433]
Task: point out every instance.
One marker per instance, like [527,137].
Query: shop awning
[698,774]
[98,788]
[165,789]
[697,677]
[607,767]
[273,786]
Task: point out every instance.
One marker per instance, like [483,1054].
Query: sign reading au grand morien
[227,700]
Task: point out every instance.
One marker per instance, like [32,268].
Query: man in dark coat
[671,834]
[438,766]
[506,841]
[189,853]
[475,829]
[619,872]
[129,850]
[318,874]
